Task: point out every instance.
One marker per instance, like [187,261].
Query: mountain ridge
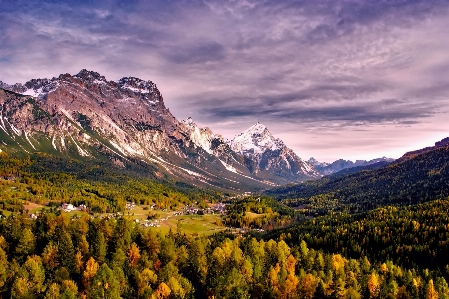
[89,117]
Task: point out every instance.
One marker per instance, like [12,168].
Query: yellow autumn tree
[163,291]
[431,293]
[79,262]
[290,285]
[53,292]
[308,286]
[373,285]
[273,278]
[145,279]
[384,268]
[49,257]
[133,254]
[338,262]
[176,287]
[91,270]
[291,263]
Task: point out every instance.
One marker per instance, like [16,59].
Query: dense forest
[59,257]
[415,236]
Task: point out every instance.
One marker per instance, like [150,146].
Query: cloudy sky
[333,79]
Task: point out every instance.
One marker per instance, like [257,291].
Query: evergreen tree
[104,284]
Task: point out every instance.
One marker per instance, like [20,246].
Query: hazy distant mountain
[338,165]
[126,122]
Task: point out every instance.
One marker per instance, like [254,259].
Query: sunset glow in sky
[333,79]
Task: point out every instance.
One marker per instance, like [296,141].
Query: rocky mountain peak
[90,76]
[87,116]
[315,162]
[270,153]
[258,128]
[201,137]
[255,140]
[137,85]
[189,123]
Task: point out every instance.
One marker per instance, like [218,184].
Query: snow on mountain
[201,137]
[136,85]
[256,140]
[271,154]
[38,88]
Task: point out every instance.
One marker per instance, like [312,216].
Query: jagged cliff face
[125,121]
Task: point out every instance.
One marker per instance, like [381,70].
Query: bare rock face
[87,116]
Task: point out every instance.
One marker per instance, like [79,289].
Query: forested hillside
[419,178]
[102,187]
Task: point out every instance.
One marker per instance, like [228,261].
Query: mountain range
[126,122]
[85,116]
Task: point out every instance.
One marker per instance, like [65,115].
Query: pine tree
[66,252]
[104,284]
[26,245]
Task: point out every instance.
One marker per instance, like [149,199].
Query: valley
[104,193]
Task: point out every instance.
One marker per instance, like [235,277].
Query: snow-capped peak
[258,128]
[38,88]
[255,140]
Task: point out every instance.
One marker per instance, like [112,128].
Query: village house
[67,207]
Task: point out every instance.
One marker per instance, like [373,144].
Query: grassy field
[252,215]
[188,224]
[34,207]
[5,212]
[199,224]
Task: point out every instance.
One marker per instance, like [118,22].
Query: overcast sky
[333,79]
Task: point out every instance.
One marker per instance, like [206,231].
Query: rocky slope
[126,122]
